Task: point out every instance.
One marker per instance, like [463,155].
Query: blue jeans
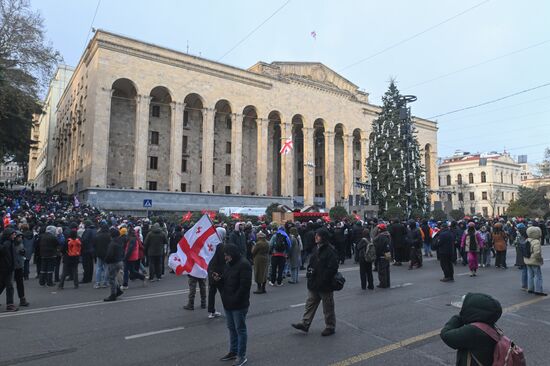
[534,278]
[486,256]
[236,323]
[294,274]
[100,272]
[524,277]
[427,248]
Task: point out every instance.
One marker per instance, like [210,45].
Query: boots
[23,302]
[259,290]
[263,288]
[189,306]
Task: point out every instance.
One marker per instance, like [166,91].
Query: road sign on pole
[148,203]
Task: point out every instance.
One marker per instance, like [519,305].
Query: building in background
[137,117]
[479,183]
[41,155]
[11,173]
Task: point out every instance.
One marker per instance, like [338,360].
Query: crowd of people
[57,235]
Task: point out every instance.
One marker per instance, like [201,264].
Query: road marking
[297,305]
[50,309]
[402,285]
[462,274]
[141,335]
[406,342]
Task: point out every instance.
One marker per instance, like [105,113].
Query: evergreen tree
[394,156]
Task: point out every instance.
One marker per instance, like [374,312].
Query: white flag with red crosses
[287,147]
[195,249]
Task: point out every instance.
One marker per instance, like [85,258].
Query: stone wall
[122,133]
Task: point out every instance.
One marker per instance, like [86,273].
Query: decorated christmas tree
[394,165]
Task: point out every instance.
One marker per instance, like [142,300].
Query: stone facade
[41,155]
[480,184]
[214,128]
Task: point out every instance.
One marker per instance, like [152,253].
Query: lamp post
[405,117]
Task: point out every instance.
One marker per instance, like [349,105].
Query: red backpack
[506,353]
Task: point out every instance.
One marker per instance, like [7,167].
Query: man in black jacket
[323,265]
[88,251]
[235,283]
[113,260]
[445,250]
[216,265]
[7,261]
[382,244]
[101,243]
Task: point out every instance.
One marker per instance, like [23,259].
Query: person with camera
[323,266]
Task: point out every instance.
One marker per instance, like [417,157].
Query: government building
[479,183]
[139,120]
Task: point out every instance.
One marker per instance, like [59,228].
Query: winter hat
[381,227]
[260,235]
[123,231]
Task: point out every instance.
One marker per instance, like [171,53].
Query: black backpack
[280,243]
[525,249]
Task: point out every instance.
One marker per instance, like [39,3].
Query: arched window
[448,180]
[483,177]
[471,178]
[459,179]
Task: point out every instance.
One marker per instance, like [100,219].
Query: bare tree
[495,198]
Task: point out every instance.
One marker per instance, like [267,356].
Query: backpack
[280,243]
[525,248]
[73,248]
[506,352]
[370,253]
[473,246]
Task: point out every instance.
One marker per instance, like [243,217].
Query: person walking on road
[18,265]
[382,243]
[235,283]
[216,265]
[260,256]
[70,260]
[323,266]
[193,281]
[472,243]
[101,243]
[48,252]
[154,248]
[445,251]
[113,259]
[500,239]
[7,260]
[365,266]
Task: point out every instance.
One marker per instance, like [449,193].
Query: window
[503,196]
[471,178]
[300,183]
[513,195]
[200,169]
[512,178]
[483,177]
[154,138]
[184,165]
[183,187]
[461,197]
[227,169]
[449,197]
[152,186]
[484,196]
[357,164]
[459,180]
[485,211]
[227,189]
[228,147]
[228,122]
[153,162]
[472,196]
[185,118]
[501,177]
[184,144]
[448,180]
[473,210]
[155,111]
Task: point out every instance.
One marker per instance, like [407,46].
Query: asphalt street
[397,326]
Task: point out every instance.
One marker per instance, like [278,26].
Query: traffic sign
[147,203]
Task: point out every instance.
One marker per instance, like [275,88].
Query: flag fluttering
[314,35]
[195,249]
[187,216]
[76,202]
[287,147]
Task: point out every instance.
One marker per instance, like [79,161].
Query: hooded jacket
[323,265]
[154,242]
[48,243]
[238,239]
[533,236]
[101,242]
[236,280]
[459,334]
[7,254]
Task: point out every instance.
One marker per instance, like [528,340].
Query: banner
[195,249]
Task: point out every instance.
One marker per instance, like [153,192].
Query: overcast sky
[349,31]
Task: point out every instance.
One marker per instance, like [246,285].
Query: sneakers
[23,302]
[240,361]
[541,294]
[11,308]
[123,287]
[96,286]
[300,326]
[271,283]
[214,315]
[110,298]
[228,357]
[328,332]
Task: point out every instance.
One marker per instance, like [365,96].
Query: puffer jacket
[48,243]
[7,254]
[154,242]
[533,236]
[459,334]
[236,281]
[322,267]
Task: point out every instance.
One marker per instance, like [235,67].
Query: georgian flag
[195,249]
[287,147]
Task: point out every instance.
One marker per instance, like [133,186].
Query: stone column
[261,157]
[100,139]
[141,143]
[329,169]
[176,137]
[287,163]
[236,152]
[364,155]
[309,167]
[207,176]
[348,166]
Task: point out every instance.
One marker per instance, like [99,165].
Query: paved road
[382,327]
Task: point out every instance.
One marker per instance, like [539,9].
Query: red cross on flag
[287,147]
[195,249]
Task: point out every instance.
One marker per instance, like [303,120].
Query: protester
[19,263]
[101,243]
[192,282]
[398,234]
[70,260]
[322,268]
[471,243]
[365,266]
[521,247]
[279,247]
[235,283]
[87,255]
[48,253]
[113,259]
[414,241]
[534,261]
[473,345]
[133,252]
[216,265]
[445,251]
[154,248]
[382,243]
[7,261]
[499,242]
[294,255]
[260,256]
